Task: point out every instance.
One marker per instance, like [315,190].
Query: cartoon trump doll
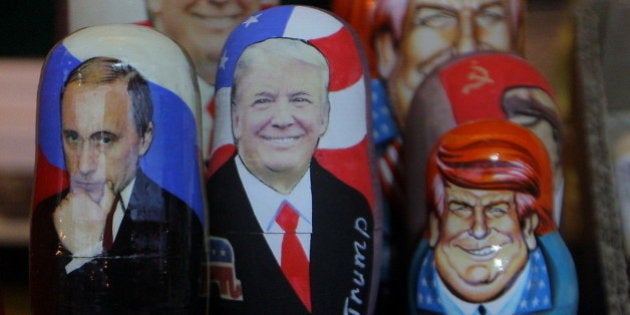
[491,246]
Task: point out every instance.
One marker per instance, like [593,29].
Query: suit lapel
[144,199]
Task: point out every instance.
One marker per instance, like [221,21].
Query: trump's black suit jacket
[340,257]
[153,264]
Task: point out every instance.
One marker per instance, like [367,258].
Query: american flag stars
[251,20]
[224,60]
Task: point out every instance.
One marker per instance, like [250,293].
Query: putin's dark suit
[153,264]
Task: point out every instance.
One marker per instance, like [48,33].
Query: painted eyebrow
[268,94]
[102,133]
[420,7]
[461,199]
[461,203]
[300,93]
[494,200]
[491,4]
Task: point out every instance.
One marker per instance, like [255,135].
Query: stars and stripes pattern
[384,127]
[173,158]
[343,149]
[389,146]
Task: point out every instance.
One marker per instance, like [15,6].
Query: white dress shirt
[266,202]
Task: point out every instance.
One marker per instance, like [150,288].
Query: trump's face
[480,247]
[100,140]
[279,113]
[202,26]
[435,31]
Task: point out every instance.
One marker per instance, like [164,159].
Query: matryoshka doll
[117,210]
[478,86]
[293,208]
[491,246]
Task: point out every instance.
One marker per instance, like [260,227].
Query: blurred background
[29,29]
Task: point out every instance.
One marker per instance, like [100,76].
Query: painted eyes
[262,103]
[98,139]
[490,15]
[441,18]
[103,138]
[70,136]
[464,210]
[435,18]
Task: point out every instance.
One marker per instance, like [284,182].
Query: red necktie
[108,238]
[294,263]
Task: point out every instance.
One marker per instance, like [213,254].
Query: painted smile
[282,141]
[482,252]
[218,22]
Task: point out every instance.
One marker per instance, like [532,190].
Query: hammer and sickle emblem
[478,77]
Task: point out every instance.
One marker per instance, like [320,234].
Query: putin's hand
[80,221]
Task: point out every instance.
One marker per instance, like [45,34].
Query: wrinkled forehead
[474,196]
[83,94]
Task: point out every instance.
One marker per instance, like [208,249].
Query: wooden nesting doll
[293,210]
[491,246]
[117,210]
[477,86]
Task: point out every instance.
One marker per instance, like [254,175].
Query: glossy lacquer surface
[117,209]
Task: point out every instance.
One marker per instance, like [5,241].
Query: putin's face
[279,113]
[100,141]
